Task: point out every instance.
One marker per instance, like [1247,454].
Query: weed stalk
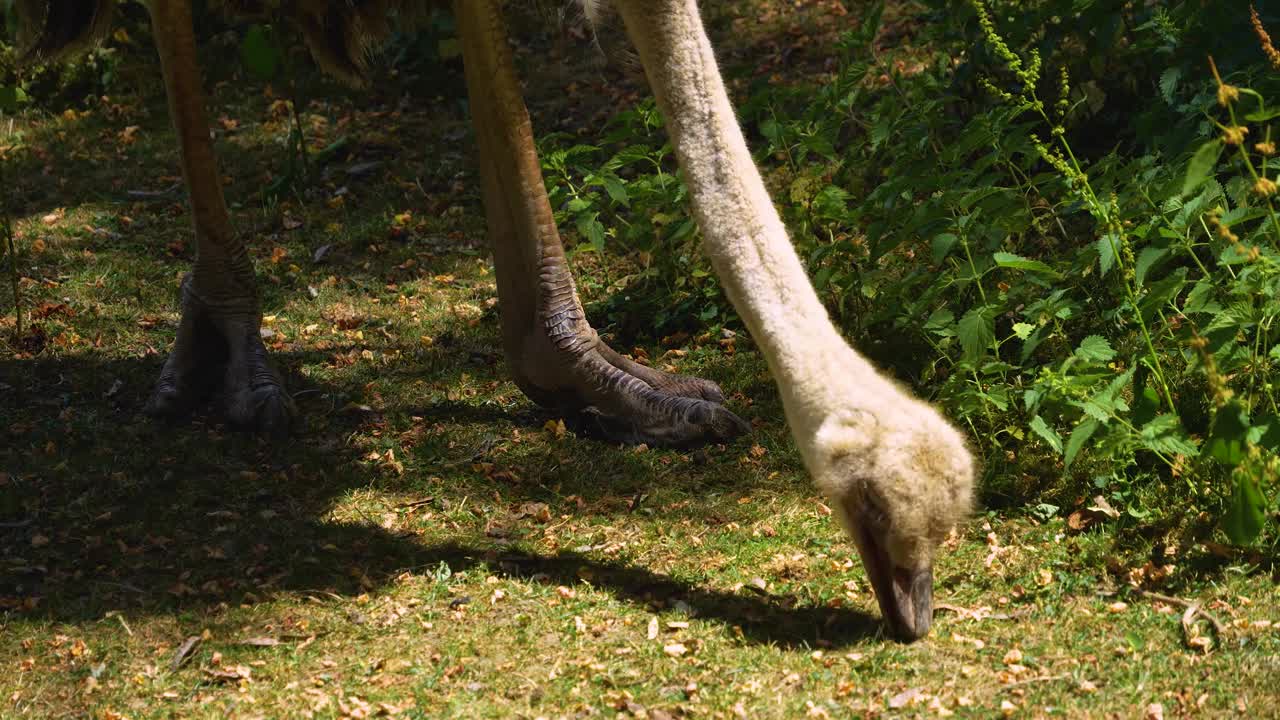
[1064,160]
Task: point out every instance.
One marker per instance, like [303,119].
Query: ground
[429,543]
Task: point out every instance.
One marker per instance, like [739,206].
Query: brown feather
[342,34]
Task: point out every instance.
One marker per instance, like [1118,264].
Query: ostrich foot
[221,353]
[623,401]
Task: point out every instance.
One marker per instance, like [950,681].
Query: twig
[1193,608]
[17,525]
[166,194]
[123,586]
[116,614]
[184,652]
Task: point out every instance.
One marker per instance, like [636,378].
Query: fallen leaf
[185,651]
[905,698]
[536,511]
[1078,521]
[230,674]
[260,642]
[1101,506]
[555,427]
[975,642]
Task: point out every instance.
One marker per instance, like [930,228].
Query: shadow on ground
[105,510]
[102,509]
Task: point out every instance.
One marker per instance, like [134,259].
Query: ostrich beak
[905,594]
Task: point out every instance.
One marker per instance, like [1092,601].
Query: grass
[430,544]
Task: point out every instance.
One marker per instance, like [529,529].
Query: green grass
[428,545]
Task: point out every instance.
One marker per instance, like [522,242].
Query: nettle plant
[1192,282]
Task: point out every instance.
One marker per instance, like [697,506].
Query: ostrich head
[900,478]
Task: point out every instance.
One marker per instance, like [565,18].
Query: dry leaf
[1101,506]
[555,427]
[185,651]
[231,674]
[260,642]
[906,698]
[536,511]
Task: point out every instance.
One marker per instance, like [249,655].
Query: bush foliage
[1066,238]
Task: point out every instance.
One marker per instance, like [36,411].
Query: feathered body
[341,34]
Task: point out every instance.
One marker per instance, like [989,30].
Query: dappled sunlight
[430,542]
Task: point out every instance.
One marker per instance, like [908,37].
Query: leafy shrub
[1038,232]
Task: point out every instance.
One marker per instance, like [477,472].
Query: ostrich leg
[555,356]
[898,473]
[218,338]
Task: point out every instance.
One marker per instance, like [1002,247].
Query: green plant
[624,194]
[1068,299]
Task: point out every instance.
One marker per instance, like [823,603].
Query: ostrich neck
[817,372]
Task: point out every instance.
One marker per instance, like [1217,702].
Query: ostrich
[897,473]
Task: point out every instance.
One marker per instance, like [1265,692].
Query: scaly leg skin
[556,357]
[218,343]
